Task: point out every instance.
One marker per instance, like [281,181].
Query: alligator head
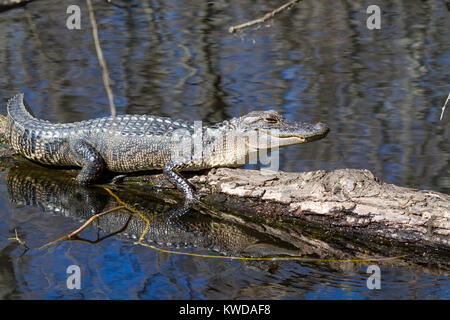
[273,130]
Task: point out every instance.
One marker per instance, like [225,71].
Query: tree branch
[101,59]
[265,18]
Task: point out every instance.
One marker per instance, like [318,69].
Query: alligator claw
[118,179]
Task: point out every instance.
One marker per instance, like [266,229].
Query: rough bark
[344,198]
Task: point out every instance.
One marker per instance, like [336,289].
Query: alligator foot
[170,171]
[92,163]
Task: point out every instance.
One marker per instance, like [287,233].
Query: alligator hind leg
[91,162]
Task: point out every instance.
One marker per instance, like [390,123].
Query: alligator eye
[271,120]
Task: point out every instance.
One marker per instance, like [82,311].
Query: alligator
[131,143]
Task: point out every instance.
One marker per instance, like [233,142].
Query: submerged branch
[19,240]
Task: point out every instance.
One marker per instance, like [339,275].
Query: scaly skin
[130,143]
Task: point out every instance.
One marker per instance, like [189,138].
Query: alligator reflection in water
[55,193]
[60,196]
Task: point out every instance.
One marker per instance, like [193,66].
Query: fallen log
[349,199]
[346,198]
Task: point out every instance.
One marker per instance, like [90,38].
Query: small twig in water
[94,217]
[443,108]
[18,239]
[265,18]
[101,59]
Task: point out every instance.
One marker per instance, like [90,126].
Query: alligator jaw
[294,136]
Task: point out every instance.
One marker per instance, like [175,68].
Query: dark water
[380,91]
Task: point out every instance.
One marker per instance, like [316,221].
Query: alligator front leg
[91,162]
[171,171]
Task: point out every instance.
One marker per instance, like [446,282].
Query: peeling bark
[349,199]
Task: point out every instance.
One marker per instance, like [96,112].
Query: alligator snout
[322,127]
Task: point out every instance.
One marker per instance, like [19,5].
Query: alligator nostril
[323,127]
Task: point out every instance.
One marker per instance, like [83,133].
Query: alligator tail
[33,138]
[17,111]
